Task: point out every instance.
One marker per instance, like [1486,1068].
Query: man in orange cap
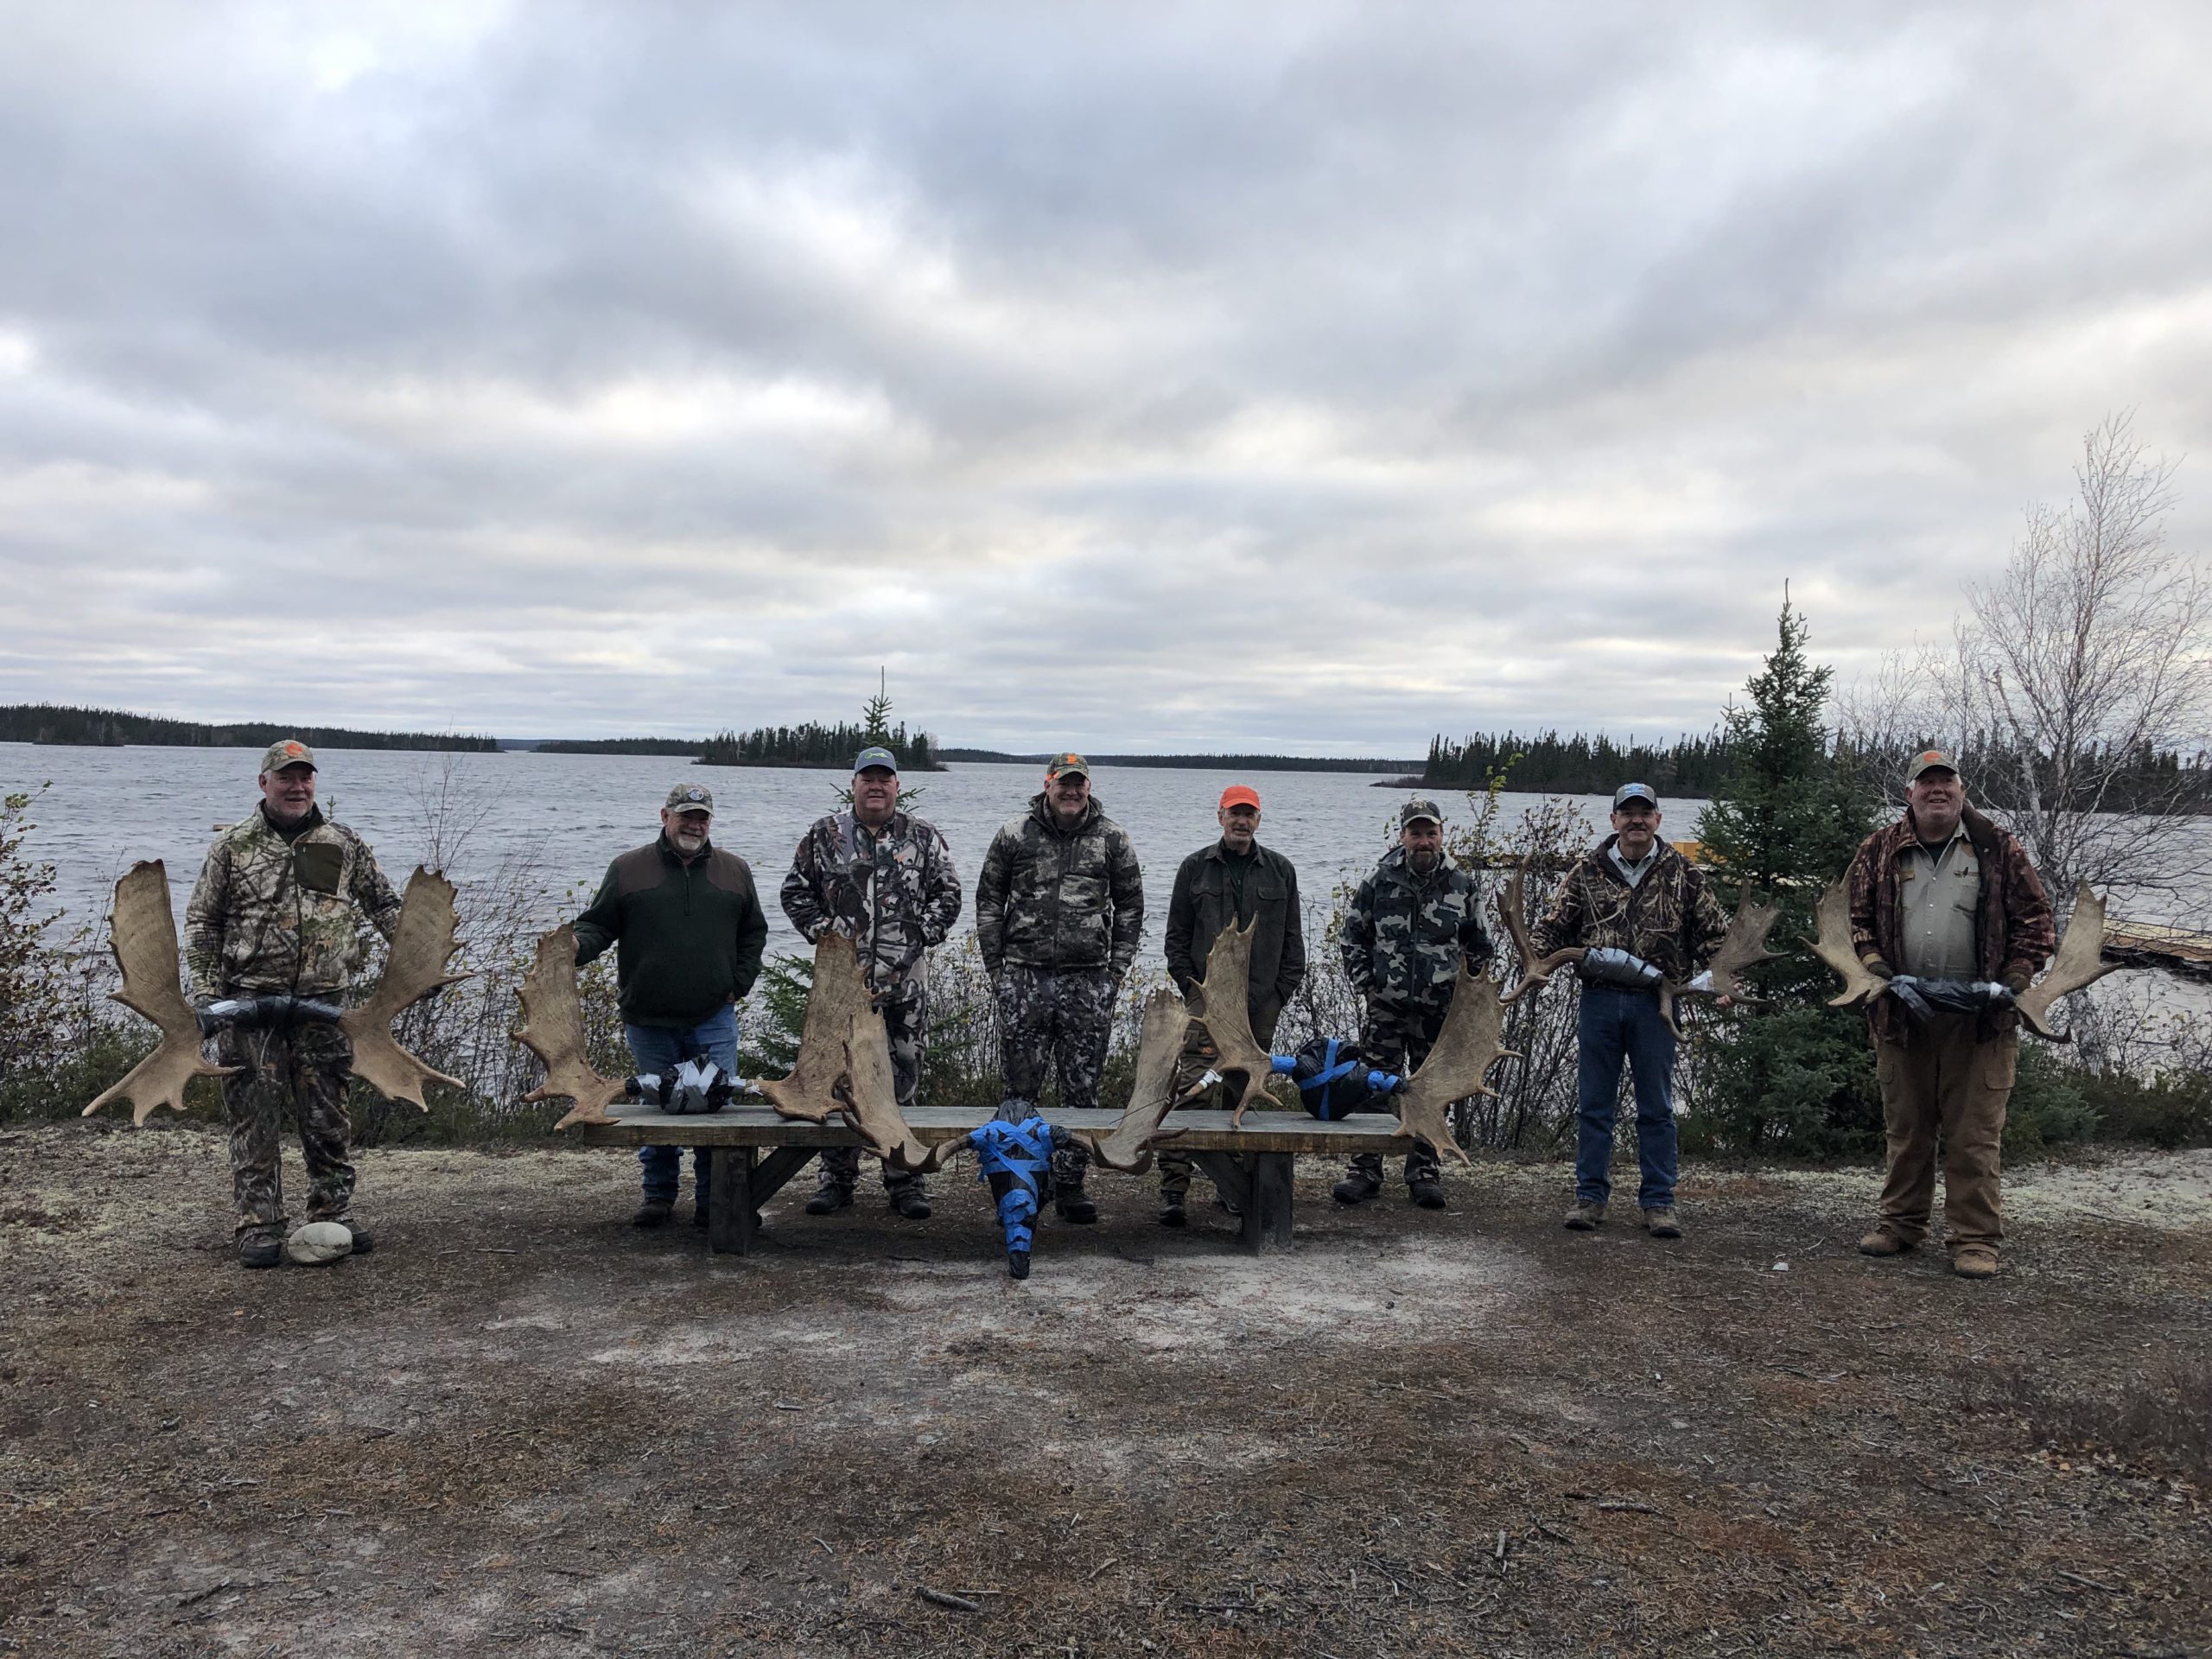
[1232,883]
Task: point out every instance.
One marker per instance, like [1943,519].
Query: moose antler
[1832,919]
[2079,962]
[1221,1001]
[1513,911]
[415,965]
[838,992]
[142,934]
[1740,947]
[553,1029]
[871,1104]
[1128,1146]
[1473,1036]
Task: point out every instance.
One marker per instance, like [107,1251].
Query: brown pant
[1942,1081]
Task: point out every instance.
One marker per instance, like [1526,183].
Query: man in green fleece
[688,931]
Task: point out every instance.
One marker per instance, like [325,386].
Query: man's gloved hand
[203,1011]
[1876,966]
[2016,982]
[1994,995]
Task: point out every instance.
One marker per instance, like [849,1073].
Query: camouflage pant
[1398,1040]
[1056,1023]
[1197,1059]
[905,1018]
[299,1072]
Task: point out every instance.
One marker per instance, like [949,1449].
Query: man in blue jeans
[1641,912]
[688,931]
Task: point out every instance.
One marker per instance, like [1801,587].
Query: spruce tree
[1790,1074]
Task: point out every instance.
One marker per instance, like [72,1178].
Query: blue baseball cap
[874,757]
[1628,793]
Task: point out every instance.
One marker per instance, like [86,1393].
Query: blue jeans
[1617,1023]
[655,1049]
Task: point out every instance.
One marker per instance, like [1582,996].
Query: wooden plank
[756,1125]
[1267,1218]
[773,1173]
[729,1208]
[1229,1172]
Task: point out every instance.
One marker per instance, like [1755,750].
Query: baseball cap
[874,757]
[1061,764]
[1239,795]
[690,798]
[1929,761]
[1628,793]
[1414,811]
[288,752]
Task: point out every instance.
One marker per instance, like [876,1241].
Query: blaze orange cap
[1238,795]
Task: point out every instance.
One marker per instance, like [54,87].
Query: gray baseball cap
[874,757]
[1628,793]
[690,798]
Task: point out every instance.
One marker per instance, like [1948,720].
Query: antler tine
[1128,1146]
[1512,911]
[1742,946]
[838,992]
[142,934]
[1223,1004]
[553,1029]
[872,1103]
[413,966]
[1832,918]
[2080,961]
[1470,1039]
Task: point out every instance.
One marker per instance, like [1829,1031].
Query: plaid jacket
[2013,928]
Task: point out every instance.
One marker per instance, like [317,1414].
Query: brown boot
[1585,1217]
[1975,1261]
[1882,1242]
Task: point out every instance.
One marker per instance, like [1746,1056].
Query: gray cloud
[1315,377]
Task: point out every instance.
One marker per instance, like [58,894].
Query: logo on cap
[875,756]
[1413,811]
[1628,793]
[1063,764]
[690,798]
[1929,761]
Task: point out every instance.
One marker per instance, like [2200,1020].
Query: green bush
[2168,1109]
[2050,1106]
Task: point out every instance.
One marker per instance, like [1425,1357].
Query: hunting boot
[1883,1242]
[830,1196]
[1171,1213]
[1069,1198]
[654,1212]
[1585,1216]
[910,1199]
[1425,1178]
[1362,1182]
[1975,1261]
[363,1240]
[1660,1222]
[260,1250]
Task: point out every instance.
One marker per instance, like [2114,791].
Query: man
[884,879]
[688,931]
[1233,883]
[1412,924]
[1059,909]
[272,913]
[1945,894]
[1643,913]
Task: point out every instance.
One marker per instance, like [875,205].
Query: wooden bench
[752,1152]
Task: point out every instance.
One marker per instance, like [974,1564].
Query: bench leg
[729,1217]
[1267,1216]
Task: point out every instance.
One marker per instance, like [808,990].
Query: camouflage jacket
[2013,928]
[892,892]
[1670,918]
[1054,898]
[1406,935]
[270,915]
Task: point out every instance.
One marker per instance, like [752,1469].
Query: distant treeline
[1196,762]
[47,723]
[691,747]
[1551,764]
[815,745]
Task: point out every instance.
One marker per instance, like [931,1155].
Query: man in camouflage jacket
[1411,925]
[1945,894]
[884,879]
[1060,910]
[273,912]
[1643,913]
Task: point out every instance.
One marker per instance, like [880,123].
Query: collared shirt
[1940,893]
[1633,874]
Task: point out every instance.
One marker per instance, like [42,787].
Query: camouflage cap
[1060,765]
[690,798]
[287,751]
[1929,761]
[1413,811]
[874,757]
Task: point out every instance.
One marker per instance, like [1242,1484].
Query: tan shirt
[1939,896]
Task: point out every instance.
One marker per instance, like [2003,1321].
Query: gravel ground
[521,1427]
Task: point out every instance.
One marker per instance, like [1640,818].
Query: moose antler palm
[1472,1037]
[1832,922]
[1128,1146]
[1741,947]
[553,1029]
[142,934]
[143,938]
[1513,911]
[1220,1001]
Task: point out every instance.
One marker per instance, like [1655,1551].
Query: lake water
[568,814]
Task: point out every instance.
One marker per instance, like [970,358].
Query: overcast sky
[1311,377]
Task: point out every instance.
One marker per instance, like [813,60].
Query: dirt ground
[522,1428]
